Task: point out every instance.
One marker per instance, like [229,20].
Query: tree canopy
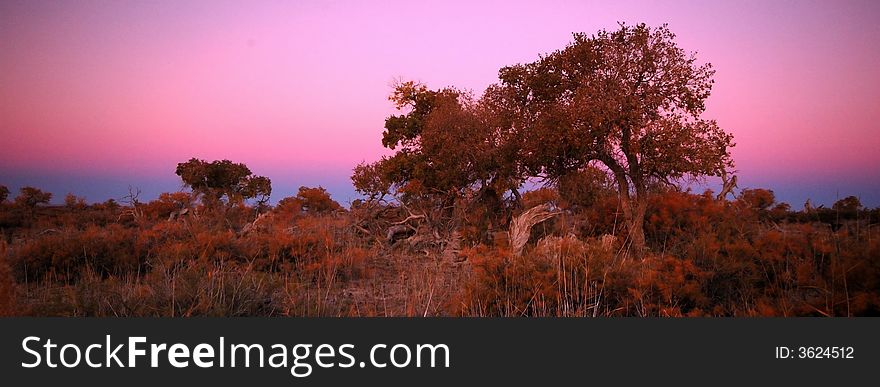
[440,141]
[626,102]
[629,101]
[30,197]
[224,179]
[310,200]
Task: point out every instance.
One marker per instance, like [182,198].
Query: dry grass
[707,258]
[8,303]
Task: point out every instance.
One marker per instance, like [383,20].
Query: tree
[312,200]
[429,138]
[848,207]
[30,197]
[259,188]
[447,158]
[74,202]
[447,147]
[221,179]
[849,204]
[628,101]
[4,193]
[372,180]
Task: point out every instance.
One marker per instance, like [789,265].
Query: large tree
[629,101]
[220,179]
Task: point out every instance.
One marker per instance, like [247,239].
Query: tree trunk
[636,228]
[634,207]
[634,204]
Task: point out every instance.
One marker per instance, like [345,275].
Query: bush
[707,257]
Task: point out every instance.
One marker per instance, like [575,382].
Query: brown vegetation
[611,125]
[746,257]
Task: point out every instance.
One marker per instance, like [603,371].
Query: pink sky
[96,96]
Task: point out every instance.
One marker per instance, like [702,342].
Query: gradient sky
[97,96]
